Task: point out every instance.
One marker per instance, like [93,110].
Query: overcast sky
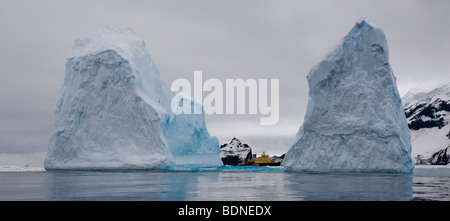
[224,39]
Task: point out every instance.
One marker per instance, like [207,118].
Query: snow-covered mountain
[235,152]
[114,110]
[355,119]
[428,116]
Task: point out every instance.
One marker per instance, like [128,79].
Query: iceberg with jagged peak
[354,119]
[114,110]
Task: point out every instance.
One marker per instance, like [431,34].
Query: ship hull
[265,164]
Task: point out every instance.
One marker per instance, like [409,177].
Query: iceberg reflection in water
[349,186]
[223,183]
[204,185]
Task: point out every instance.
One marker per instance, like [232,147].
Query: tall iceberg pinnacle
[114,110]
[354,119]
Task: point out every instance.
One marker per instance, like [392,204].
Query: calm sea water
[224,184]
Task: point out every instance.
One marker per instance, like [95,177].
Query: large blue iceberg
[354,119]
[114,110]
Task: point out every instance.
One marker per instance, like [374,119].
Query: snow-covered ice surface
[114,110]
[20,169]
[428,141]
[355,119]
[432,169]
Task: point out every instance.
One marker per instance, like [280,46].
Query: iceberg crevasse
[354,119]
[114,110]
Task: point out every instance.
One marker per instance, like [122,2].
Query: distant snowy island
[428,115]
